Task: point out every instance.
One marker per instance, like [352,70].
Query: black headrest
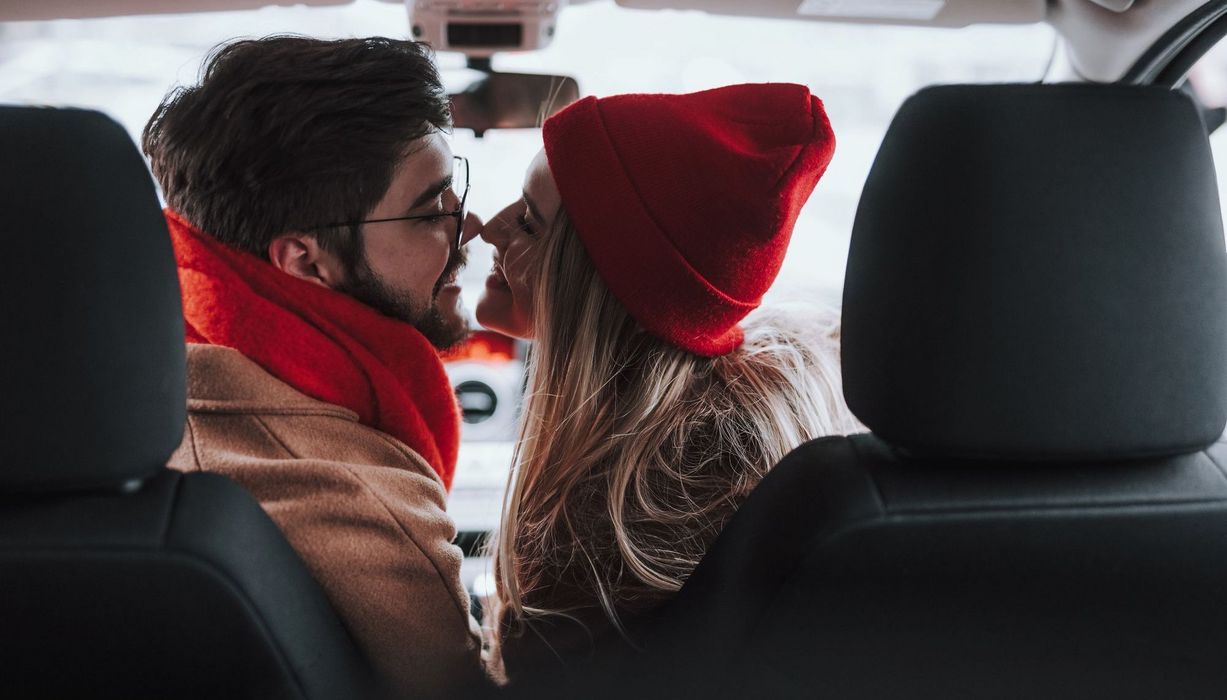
[1037,272]
[93,388]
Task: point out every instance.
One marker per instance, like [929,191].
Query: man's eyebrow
[431,192]
[533,211]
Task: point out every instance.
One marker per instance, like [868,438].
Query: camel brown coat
[364,512]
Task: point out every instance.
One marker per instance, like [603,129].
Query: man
[316,213]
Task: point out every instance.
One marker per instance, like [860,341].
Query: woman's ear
[300,255]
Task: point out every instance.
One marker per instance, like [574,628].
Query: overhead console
[483,27]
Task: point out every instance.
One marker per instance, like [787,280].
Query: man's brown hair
[289,133]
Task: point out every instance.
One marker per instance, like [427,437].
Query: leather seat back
[1035,330]
[121,578]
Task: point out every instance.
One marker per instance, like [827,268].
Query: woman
[650,226]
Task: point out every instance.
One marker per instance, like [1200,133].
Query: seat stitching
[1059,509]
[170,512]
[1216,464]
[877,489]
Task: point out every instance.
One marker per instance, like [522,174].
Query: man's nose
[471,229]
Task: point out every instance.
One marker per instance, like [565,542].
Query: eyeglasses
[460,173]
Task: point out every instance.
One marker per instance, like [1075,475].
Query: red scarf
[323,343]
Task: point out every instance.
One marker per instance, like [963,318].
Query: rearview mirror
[511,101]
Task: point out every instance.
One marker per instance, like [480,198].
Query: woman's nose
[493,232]
[472,228]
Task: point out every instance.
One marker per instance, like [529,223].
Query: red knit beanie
[685,203]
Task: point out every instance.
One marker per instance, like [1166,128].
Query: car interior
[1008,523]
[123,578]
[1032,333]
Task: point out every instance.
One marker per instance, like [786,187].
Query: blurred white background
[124,66]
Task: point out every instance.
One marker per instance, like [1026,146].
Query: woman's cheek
[522,293]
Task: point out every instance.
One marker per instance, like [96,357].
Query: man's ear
[301,256]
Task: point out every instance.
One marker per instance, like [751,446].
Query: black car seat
[1035,330]
[118,577]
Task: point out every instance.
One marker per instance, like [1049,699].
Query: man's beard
[363,284]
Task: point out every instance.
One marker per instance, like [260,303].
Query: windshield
[124,66]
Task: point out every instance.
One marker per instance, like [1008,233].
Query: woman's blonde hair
[632,453]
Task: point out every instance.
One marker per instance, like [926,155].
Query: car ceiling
[13,11]
[1101,38]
